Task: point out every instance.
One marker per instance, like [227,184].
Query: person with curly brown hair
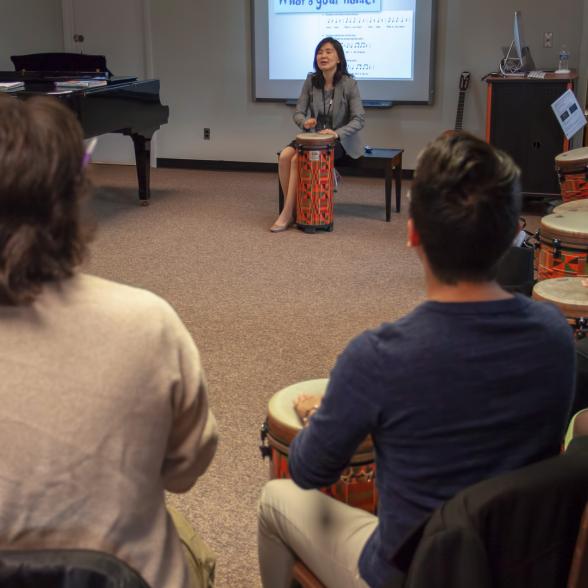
[104,401]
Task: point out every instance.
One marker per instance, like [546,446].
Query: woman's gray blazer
[348,113]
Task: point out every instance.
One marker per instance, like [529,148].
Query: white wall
[29,26]
[202,54]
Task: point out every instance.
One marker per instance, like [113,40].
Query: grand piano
[122,105]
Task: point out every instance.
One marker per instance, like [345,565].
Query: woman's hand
[309,123]
[329,132]
[306,405]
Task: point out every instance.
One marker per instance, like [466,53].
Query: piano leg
[142,146]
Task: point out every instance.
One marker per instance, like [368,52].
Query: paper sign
[569,113]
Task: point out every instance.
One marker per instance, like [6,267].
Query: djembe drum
[572,172]
[563,241]
[355,487]
[570,295]
[314,196]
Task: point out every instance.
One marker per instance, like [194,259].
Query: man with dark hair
[464,387]
[104,400]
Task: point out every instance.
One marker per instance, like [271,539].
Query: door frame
[67,8]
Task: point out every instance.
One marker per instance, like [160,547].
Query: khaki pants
[327,535]
[200,558]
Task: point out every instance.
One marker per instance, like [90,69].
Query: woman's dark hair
[318,81]
[465,204]
[42,237]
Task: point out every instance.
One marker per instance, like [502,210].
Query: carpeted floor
[266,310]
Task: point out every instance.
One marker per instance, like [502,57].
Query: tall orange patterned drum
[572,172]
[563,242]
[355,487]
[570,295]
[314,198]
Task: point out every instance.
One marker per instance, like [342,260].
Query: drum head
[568,294]
[574,206]
[567,223]
[282,420]
[576,159]
[315,140]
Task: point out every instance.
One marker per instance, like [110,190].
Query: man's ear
[414,239]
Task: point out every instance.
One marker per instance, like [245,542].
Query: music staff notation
[359,68]
[368,20]
[350,45]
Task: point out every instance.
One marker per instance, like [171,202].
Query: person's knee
[270,494]
[286,156]
[274,499]
[581,424]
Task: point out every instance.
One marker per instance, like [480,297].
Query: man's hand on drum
[309,123]
[329,132]
[305,406]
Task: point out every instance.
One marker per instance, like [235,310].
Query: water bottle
[564,60]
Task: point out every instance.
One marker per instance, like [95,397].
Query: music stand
[73,62]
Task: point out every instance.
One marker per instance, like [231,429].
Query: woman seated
[104,402]
[330,104]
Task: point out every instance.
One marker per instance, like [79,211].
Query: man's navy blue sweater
[452,394]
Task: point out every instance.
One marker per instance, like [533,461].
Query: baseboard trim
[221,165]
[251,166]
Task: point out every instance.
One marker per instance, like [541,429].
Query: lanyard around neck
[328,112]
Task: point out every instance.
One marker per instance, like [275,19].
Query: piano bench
[379,159]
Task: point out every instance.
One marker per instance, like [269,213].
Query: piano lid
[48,77]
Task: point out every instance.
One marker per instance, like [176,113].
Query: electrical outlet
[207,134]
[547,40]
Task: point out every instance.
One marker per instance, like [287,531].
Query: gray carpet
[266,310]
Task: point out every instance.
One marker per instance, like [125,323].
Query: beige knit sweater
[103,405]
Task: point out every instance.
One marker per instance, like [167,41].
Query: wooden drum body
[563,242]
[572,172]
[314,197]
[355,487]
[570,296]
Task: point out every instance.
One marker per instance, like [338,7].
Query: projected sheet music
[377,36]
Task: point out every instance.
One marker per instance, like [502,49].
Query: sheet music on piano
[7,86]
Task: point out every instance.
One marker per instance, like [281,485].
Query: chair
[77,62]
[65,568]
[515,270]
[516,530]
[579,572]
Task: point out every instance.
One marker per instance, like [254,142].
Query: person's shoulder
[116,299]
[547,312]
[546,317]
[348,80]
[388,337]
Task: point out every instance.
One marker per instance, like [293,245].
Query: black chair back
[64,568]
[517,530]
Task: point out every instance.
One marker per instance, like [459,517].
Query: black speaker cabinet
[520,121]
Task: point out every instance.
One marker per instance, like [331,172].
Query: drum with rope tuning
[355,487]
[563,241]
[570,295]
[572,172]
[314,196]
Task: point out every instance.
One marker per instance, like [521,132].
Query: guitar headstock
[464,80]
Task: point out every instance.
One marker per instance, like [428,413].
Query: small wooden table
[387,160]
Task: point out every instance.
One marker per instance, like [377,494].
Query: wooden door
[120,31]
